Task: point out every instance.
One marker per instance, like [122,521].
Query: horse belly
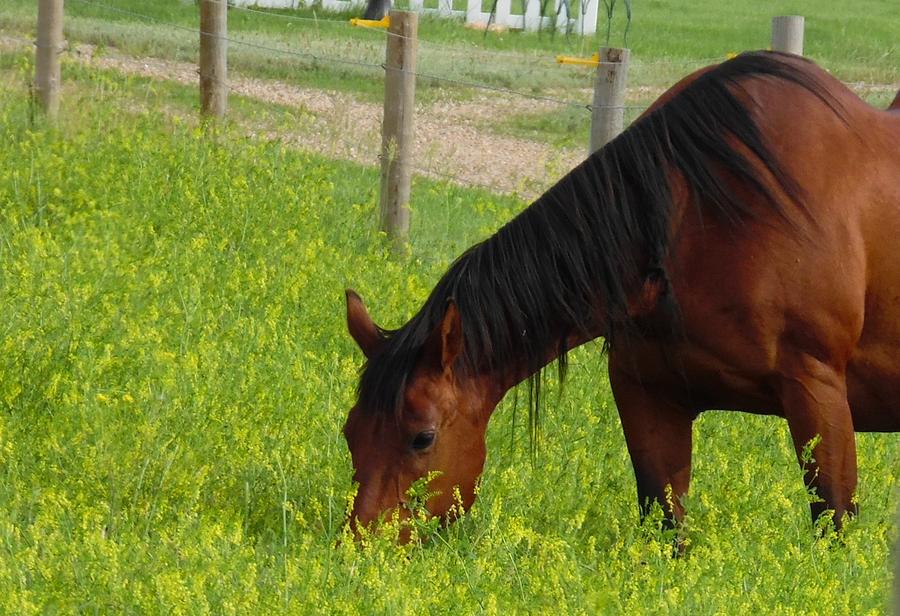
[873,389]
[873,373]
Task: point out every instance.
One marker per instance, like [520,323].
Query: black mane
[596,233]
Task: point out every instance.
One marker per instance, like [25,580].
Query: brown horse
[737,248]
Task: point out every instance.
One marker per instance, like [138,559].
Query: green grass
[858,41]
[567,127]
[175,372]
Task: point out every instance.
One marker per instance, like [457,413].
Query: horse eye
[423,440]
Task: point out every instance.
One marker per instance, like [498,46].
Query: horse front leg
[814,401]
[658,435]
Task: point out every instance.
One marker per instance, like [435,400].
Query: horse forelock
[598,231]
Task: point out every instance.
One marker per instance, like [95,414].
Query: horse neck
[494,384]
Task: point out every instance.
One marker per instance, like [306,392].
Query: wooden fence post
[608,109]
[213,57]
[49,46]
[787,34]
[397,129]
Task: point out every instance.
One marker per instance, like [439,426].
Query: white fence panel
[532,15]
[268,4]
[560,17]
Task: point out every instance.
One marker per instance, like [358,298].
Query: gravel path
[450,144]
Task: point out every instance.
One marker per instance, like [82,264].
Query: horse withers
[737,249]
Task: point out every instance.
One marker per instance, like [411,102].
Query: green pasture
[857,41]
[175,372]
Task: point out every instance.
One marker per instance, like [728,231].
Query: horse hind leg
[814,401]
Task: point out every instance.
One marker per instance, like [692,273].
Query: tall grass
[175,372]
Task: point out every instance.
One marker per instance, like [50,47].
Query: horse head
[438,431]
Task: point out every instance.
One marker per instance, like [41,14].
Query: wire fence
[333,60]
[370,153]
[471,56]
[237,41]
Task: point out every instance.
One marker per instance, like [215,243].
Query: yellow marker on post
[594,60]
[384,22]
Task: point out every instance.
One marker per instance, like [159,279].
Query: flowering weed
[175,372]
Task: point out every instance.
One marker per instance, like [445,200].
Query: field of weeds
[175,372]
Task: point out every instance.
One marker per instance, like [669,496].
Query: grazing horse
[737,248]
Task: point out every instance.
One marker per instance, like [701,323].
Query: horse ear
[451,336]
[361,326]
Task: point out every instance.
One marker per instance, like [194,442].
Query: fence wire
[322,58]
[316,57]
[289,52]
[295,18]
